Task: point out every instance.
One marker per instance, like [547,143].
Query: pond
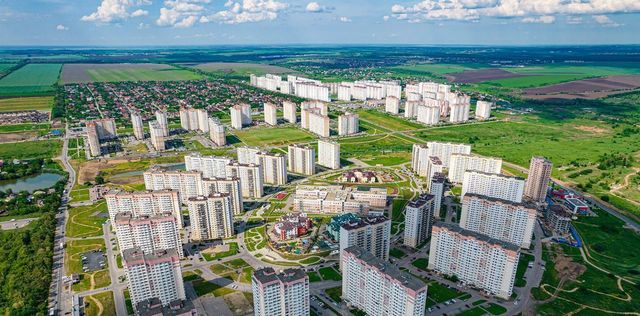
[31,183]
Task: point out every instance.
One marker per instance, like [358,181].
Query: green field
[114,75]
[387,150]
[30,79]
[242,69]
[16,128]
[4,67]
[24,104]
[31,150]
[388,121]
[437,69]
[106,301]
[86,221]
[277,136]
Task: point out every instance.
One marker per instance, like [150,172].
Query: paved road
[114,273]
[15,224]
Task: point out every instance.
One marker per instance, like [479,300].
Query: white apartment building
[461,163]
[236,116]
[250,175]
[157,140]
[445,150]
[245,110]
[434,166]
[274,167]
[187,183]
[284,293]
[348,124]
[194,119]
[289,110]
[483,110]
[210,166]
[318,124]
[359,92]
[493,185]
[538,179]
[216,132]
[145,203]
[312,106]
[329,154]
[370,233]
[271,114]
[429,115]
[154,275]
[92,139]
[459,112]
[105,128]
[378,287]
[344,92]
[247,154]
[301,159]
[418,220]
[414,97]
[138,126]
[229,185]
[210,217]
[392,105]
[476,259]
[411,109]
[148,233]
[500,219]
[335,199]
[161,117]
[419,158]
[436,188]
[312,90]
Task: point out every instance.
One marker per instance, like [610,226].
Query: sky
[223,22]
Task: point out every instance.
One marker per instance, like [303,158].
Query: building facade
[284,293]
[271,114]
[461,163]
[157,138]
[329,154]
[348,124]
[210,217]
[229,185]
[274,167]
[250,175]
[210,166]
[186,183]
[138,125]
[418,220]
[301,159]
[149,233]
[145,203]
[493,185]
[369,233]
[537,183]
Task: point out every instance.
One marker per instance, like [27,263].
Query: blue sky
[216,22]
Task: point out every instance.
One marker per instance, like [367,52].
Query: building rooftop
[494,174]
[560,210]
[576,201]
[364,221]
[387,268]
[459,230]
[268,274]
[153,307]
[497,200]
[135,254]
[420,200]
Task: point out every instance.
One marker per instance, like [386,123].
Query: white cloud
[61,27]
[247,11]
[605,21]
[315,7]
[545,19]
[574,20]
[386,18]
[465,10]
[345,19]
[115,10]
[181,13]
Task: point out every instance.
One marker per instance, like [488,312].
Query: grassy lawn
[276,136]
[522,268]
[388,121]
[237,263]
[440,293]
[387,150]
[85,221]
[100,304]
[30,79]
[495,309]
[314,277]
[396,253]
[79,193]
[29,103]
[329,273]
[476,311]
[421,263]
[335,293]
[203,287]
[15,128]
[233,249]
[310,260]
[31,150]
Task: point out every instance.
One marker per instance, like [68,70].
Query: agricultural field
[430,69]
[31,79]
[83,73]
[243,69]
[31,149]
[277,136]
[5,68]
[25,104]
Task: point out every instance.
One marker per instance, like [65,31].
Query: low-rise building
[559,218]
[292,226]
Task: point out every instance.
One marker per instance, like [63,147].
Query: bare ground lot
[474,76]
[585,89]
[16,137]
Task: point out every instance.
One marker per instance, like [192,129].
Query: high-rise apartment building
[284,293]
[500,219]
[247,154]
[149,233]
[210,217]
[411,108]
[459,112]
[138,126]
[419,159]
[378,287]
[418,220]
[461,163]
[99,130]
[153,275]
[236,116]
[538,179]
[157,138]
[445,150]
[271,114]
[229,185]
[370,233]
[348,124]
[210,166]
[194,119]
[493,185]
[92,139]
[318,123]
[436,188]
[144,203]
[483,110]
[392,105]
[302,159]
[289,111]
[161,117]
[274,167]
[216,132]
[187,183]
[329,154]
[476,259]
[246,114]
[429,115]
[251,179]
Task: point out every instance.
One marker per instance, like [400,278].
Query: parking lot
[93,261]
